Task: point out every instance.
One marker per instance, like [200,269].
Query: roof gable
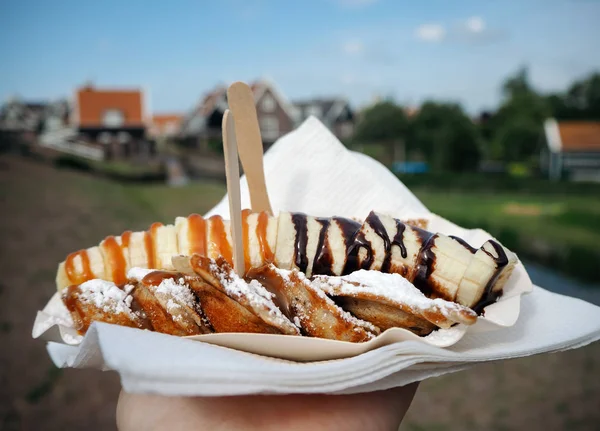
[580,135]
[92,105]
[259,88]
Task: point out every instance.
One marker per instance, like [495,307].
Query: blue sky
[411,50]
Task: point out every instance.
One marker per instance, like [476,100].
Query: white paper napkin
[310,171]
[157,363]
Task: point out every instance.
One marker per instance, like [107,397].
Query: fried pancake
[101,301]
[310,308]
[385,316]
[388,300]
[227,315]
[251,295]
[170,291]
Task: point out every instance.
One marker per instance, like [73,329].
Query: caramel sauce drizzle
[125,239]
[245,238]
[261,232]
[116,259]
[197,234]
[149,239]
[218,237]
[156,277]
[86,272]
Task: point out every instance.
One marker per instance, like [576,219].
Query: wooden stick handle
[232,172]
[241,102]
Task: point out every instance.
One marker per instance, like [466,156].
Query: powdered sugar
[392,287]
[253,293]
[106,296]
[138,274]
[177,291]
[285,274]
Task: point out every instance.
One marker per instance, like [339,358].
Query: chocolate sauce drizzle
[425,261]
[398,240]
[501,260]
[300,224]
[352,261]
[355,239]
[464,243]
[323,263]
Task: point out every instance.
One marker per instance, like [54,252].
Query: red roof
[92,105]
[580,135]
[165,123]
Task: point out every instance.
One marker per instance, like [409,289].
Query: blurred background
[489,111]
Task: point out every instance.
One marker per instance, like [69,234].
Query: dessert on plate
[332,277]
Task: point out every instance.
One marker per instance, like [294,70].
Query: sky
[458,51]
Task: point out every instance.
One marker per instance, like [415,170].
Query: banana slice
[336,236]
[298,238]
[441,265]
[476,278]
[165,246]
[218,239]
[260,238]
[81,266]
[285,251]
[140,250]
[116,258]
[191,235]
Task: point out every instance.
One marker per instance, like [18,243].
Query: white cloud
[355,4]
[431,32]
[475,24]
[353,47]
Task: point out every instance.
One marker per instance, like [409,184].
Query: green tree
[446,137]
[582,100]
[518,124]
[383,123]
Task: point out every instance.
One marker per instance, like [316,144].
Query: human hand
[383,410]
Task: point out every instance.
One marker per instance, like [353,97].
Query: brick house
[572,150]
[113,120]
[336,114]
[276,116]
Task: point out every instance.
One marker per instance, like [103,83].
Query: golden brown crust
[84,313]
[318,316]
[385,316]
[227,315]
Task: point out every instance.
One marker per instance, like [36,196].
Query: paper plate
[53,323]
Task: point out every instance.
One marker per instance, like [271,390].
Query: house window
[268,103]
[113,118]
[269,127]
[314,110]
[123,137]
[104,138]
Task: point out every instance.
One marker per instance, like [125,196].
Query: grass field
[559,231]
[557,220]
[47,214]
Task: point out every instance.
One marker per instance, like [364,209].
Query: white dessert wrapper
[310,171]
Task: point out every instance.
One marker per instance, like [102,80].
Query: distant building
[276,116]
[336,114]
[572,151]
[112,120]
[21,121]
[165,125]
